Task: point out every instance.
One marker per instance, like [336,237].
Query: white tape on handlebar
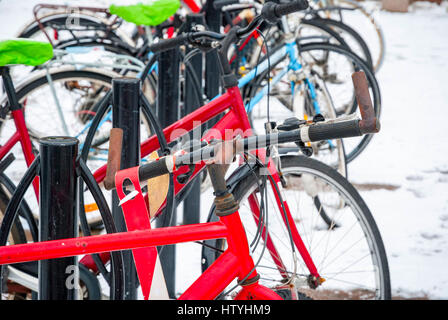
[304,134]
[169,161]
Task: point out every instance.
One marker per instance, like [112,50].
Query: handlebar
[168,44]
[271,12]
[369,122]
[307,132]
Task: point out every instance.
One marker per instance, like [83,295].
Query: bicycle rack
[167,110]
[126,115]
[213,19]
[61,171]
[192,203]
[58,278]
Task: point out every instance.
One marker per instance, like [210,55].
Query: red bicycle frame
[229,265]
[21,135]
[235,121]
[235,262]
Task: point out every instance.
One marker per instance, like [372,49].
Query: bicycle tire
[378,31]
[17,231]
[340,163]
[372,82]
[8,188]
[89,284]
[299,166]
[366,54]
[64,76]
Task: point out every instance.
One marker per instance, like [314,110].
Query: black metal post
[213,19]
[58,278]
[192,203]
[126,115]
[168,112]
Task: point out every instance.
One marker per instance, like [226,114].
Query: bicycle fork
[314,279]
[236,260]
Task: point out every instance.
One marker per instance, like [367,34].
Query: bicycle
[305,79]
[234,262]
[350,106]
[64,21]
[261,69]
[236,113]
[61,76]
[104,24]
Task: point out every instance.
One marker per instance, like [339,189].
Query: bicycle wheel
[64,29]
[14,290]
[335,65]
[351,258]
[367,26]
[302,94]
[350,37]
[64,107]
[77,92]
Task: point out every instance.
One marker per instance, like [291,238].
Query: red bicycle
[235,261]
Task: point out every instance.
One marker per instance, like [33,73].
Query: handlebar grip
[329,131]
[369,123]
[287,8]
[272,12]
[156,168]
[164,45]
[114,157]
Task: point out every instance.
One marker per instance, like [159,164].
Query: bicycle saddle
[151,14]
[24,51]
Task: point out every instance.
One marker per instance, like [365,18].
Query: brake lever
[291,124]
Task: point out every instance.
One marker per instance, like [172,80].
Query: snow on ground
[410,152]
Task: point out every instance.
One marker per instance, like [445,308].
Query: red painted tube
[237,244]
[111,242]
[9,144]
[25,142]
[192,5]
[185,124]
[255,208]
[88,261]
[214,280]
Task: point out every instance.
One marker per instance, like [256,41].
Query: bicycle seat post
[9,88]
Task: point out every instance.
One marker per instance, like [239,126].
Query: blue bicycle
[304,79]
